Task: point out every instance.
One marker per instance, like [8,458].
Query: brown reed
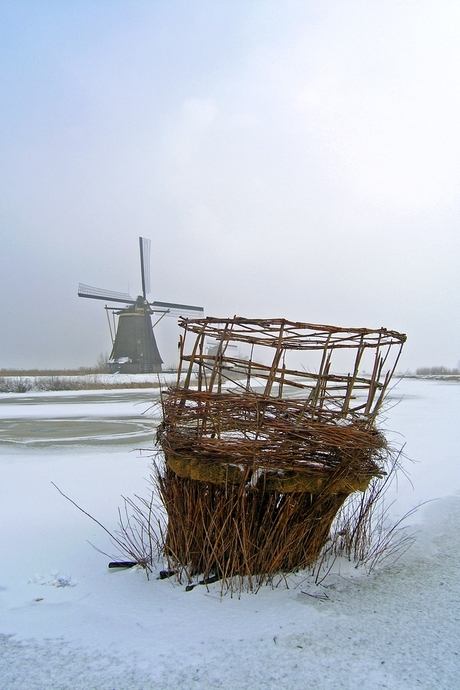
[254,478]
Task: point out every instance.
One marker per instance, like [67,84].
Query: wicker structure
[261,452]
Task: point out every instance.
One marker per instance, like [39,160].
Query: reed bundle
[230,531]
[259,455]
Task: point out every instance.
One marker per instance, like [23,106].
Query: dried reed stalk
[231,531]
[253,479]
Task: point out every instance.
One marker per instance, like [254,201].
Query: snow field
[66,621]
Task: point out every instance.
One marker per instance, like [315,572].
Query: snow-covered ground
[66,621]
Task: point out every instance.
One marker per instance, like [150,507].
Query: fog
[287,159]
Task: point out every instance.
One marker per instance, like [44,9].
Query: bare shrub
[15,385]
[102,366]
[54,383]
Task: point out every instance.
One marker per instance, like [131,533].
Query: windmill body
[135,350]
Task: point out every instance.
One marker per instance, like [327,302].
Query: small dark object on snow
[205,581]
[122,564]
[210,580]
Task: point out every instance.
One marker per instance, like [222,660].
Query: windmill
[135,350]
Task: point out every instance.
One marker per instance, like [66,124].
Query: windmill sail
[107,295]
[144,248]
[175,309]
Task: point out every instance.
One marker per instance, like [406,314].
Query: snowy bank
[69,622]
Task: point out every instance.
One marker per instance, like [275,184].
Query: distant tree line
[437,371]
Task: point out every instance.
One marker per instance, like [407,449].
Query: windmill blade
[107,295]
[144,248]
[172,309]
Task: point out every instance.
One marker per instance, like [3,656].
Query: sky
[294,159]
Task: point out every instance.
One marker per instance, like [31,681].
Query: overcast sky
[287,159]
